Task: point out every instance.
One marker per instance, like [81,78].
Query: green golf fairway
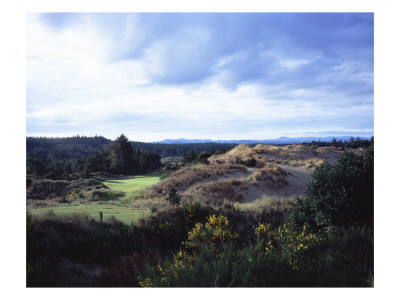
[132,185]
[123,214]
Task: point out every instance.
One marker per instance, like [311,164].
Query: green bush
[249,163]
[338,194]
[203,157]
[166,229]
[173,197]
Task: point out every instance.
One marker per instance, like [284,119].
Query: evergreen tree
[121,156]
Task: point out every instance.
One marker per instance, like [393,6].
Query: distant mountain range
[281,140]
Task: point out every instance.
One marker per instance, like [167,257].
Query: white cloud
[75,84]
[294,63]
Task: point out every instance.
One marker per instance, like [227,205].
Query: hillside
[247,173]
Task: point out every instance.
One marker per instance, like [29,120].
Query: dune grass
[267,203]
[123,214]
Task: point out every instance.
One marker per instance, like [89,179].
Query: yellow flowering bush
[262,231]
[215,233]
[291,244]
[168,271]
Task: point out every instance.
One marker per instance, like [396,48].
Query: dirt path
[298,179]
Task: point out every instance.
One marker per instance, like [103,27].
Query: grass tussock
[214,192]
[276,152]
[270,173]
[267,203]
[186,177]
[153,204]
[311,163]
[242,154]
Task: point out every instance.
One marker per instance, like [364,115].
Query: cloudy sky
[219,76]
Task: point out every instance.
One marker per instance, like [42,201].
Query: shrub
[61,249]
[203,157]
[173,197]
[291,245]
[338,194]
[297,259]
[214,233]
[249,162]
[166,229]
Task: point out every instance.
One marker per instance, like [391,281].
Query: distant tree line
[167,150]
[66,148]
[78,146]
[352,143]
[119,158]
[191,157]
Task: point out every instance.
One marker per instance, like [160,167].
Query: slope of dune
[247,173]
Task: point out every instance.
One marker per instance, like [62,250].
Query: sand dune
[282,171]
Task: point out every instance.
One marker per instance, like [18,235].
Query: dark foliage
[118,158]
[249,163]
[173,197]
[352,143]
[166,150]
[121,156]
[202,157]
[66,148]
[338,194]
[61,250]
[189,157]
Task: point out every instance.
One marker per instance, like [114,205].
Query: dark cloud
[254,44]
[194,44]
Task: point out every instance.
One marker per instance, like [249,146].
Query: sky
[155,76]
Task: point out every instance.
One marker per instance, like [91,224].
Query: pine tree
[121,156]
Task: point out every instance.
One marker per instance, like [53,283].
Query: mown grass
[132,187]
[122,192]
[123,214]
